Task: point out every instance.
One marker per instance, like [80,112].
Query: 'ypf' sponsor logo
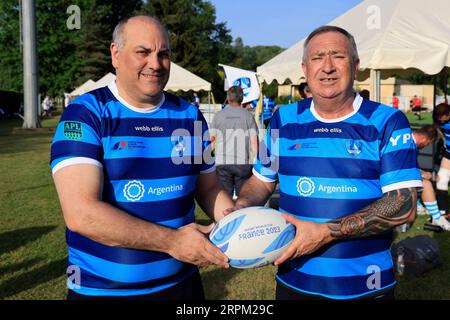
[134,190]
[400,139]
[73,130]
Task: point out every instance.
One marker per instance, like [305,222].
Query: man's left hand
[309,237]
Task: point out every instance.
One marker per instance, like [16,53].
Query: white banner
[245,79]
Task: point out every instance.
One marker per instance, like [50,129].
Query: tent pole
[434,90]
[378,85]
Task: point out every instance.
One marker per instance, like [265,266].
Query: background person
[131,230]
[441,118]
[423,137]
[395,101]
[235,136]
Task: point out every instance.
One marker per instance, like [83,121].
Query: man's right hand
[191,245]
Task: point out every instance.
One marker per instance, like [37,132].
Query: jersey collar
[113,88]
[356,105]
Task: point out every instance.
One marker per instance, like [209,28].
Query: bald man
[128,165]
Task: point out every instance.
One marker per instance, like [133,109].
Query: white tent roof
[105,80]
[390,34]
[182,79]
[85,87]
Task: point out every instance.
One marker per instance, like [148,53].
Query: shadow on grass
[214,282]
[19,266]
[33,278]
[12,240]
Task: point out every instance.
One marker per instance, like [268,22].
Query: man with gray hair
[125,165]
[235,135]
[347,171]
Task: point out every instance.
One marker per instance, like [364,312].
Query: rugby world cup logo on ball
[252,237]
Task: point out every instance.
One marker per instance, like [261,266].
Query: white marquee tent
[390,35]
[85,87]
[180,79]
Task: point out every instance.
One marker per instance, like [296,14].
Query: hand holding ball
[252,237]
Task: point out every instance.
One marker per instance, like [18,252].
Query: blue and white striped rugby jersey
[330,169]
[151,161]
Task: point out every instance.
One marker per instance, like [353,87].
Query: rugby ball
[252,237]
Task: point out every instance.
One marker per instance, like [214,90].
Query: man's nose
[153,61]
[328,64]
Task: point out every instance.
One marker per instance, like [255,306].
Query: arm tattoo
[393,209]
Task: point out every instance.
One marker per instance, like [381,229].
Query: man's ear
[114,54]
[357,63]
[304,70]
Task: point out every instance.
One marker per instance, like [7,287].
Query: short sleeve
[77,139]
[398,154]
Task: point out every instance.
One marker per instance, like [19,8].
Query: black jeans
[233,176]
[190,288]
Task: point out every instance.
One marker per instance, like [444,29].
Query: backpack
[421,254]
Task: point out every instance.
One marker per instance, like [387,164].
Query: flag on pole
[247,80]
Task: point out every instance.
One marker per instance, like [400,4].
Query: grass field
[32,241]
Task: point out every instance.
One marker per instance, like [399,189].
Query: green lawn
[32,240]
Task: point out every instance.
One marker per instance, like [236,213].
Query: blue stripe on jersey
[90,280]
[354,248]
[72,149]
[316,129]
[86,114]
[337,148]
[342,288]
[167,210]
[147,190]
[125,272]
[117,169]
[326,188]
[400,160]
[131,292]
[329,168]
[400,140]
[141,127]
[323,209]
[399,176]
[113,254]
[139,147]
[332,267]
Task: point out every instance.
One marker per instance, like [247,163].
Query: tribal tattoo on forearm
[384,214]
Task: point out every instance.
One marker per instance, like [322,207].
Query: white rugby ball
[252,237]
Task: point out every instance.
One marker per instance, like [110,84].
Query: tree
[98,21]
[66,57]
[11,74]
